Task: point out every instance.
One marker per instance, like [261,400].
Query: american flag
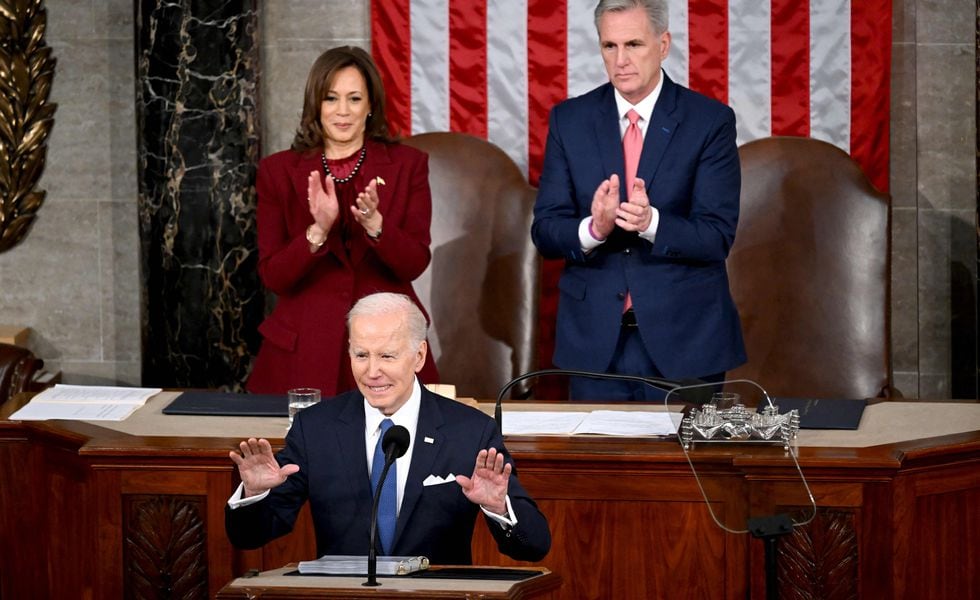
[494,68]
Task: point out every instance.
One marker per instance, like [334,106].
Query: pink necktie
[632,146]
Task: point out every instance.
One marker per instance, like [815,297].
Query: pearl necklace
[357,167]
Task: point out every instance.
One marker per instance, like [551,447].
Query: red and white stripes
[494,68]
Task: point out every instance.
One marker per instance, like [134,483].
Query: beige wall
[75,279]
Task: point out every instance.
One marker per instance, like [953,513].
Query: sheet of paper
[94,394]
[541,422]
[85,403]
[43,411]
[630,423]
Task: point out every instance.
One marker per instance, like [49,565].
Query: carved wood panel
[820,560]
[165,547]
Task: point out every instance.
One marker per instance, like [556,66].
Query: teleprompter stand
[769,529]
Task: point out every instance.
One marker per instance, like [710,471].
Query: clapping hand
[365,209]
[635,214]
[605,201]
[324,207]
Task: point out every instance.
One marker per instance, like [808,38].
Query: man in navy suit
[644,290]
[330,449]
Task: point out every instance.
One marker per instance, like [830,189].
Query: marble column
[198,145]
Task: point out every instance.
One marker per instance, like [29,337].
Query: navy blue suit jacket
[679,284]
[327,442]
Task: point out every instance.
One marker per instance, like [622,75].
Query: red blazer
[305,337]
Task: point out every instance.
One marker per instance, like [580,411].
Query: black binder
[824,413]
[229,404]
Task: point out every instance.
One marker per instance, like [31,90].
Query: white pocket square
[436,480]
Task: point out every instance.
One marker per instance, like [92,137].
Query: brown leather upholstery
[810,272]
[482,286]
[17,368]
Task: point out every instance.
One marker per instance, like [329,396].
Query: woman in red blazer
[344,213]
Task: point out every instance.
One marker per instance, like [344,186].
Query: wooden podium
[123,510]
[276,584]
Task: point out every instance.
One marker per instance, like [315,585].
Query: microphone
[395,444]
[690,391]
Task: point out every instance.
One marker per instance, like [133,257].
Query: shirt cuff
[236,500]
[505,521]
[650,233]
[586,240]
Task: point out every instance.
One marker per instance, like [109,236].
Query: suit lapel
[423,457]
[659,133]
[350,441]
[608,139]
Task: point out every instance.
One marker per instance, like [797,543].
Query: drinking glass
[300,398]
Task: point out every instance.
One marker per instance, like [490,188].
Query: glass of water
[725,400]
[300,398]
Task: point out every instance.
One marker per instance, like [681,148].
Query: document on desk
[530,422]
[630,424]
[84,403]
[601,422]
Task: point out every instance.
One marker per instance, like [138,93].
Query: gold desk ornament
[26,116]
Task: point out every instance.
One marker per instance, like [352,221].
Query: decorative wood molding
[165,549]
[820,560]
[26,116]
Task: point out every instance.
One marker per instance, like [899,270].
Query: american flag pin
[429,440]
[381,181]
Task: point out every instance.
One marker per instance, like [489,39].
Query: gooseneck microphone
[394,444]
[692,391]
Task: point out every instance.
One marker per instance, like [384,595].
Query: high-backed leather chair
[810,272]
[481,288]
[17,368]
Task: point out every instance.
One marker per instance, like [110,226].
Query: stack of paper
[339,564]
[84,403]
[604,422]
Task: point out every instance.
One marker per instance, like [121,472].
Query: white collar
[407,416]
[644,107]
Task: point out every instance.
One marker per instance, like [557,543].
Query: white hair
[385,303]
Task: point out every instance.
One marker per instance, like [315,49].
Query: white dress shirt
[644,108]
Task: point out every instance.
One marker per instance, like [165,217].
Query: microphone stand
[372,580]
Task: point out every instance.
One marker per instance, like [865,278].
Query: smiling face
[344,112]
[632,52]
[384,360]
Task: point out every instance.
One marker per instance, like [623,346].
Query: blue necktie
[388,504]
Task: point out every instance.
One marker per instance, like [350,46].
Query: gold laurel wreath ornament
[26,116]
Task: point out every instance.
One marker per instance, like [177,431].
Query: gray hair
[385,303]
[657,11]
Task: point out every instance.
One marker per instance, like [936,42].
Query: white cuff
[506,521]
[650,233]
[585,238]
[236,500]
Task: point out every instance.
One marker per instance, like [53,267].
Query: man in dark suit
[639,195]
[330,455]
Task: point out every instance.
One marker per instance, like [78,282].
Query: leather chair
[481,288]
[810,272]
[17,368]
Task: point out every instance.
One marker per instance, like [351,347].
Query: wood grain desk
[135,509]
[276,584]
